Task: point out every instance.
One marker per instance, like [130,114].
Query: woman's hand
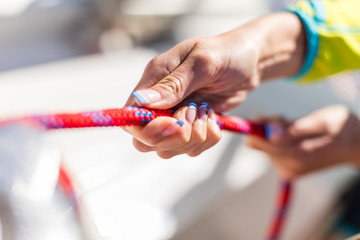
[219,70]
[192,130]
[210,69]
[325,138]
[222,69]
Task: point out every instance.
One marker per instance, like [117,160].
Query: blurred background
[78,55]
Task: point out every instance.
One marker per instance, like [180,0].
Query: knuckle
[154,63]
[198,135]
[205,60]
[215,134]
[174,83]
[183,138]
[162,64]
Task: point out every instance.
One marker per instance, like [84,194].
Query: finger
[260,144]
[170,90]
[159,128]
[198,134]
[213,135]
[306,127]
[141,147]
[190,115]
[164,136]
[162,65]
[192,74]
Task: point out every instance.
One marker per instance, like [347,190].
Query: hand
[222,69]
[191,131]
[219,70]
[325,138]
[215,70]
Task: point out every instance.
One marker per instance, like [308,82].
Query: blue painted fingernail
[180,123]
[203,104]
[191,112]
[203,108]
[192,105]
[139,97]
[146,96]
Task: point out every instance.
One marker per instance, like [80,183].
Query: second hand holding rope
[129,116]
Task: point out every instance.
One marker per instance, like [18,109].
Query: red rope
[283,201]
[128,116]
[140,116]
[66,184]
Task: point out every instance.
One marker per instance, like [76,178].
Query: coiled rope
[129,116]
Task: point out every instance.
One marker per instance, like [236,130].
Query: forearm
[280,42]
[282,45]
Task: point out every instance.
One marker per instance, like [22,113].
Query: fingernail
[203,108]
[212,114]
[146,96]
[274,131]
[191,112]
[171,129]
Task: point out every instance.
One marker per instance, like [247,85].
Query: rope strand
[130,115]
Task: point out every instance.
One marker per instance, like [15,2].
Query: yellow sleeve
[333,37]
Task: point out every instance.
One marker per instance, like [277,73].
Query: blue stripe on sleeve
[312,39]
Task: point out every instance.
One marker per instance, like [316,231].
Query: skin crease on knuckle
[213,137]
[173,84]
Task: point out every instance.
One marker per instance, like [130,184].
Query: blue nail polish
[203,110]
[203,104]
[180,123]
[192,104]
[139,97]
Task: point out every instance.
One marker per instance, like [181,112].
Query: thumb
[170,90]
[307,127]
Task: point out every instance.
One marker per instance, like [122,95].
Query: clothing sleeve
[333,37]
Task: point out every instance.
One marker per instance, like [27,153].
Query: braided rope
[282,205]
[129,116]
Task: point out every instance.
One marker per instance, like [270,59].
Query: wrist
[281,42]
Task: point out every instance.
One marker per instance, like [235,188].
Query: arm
[219,70]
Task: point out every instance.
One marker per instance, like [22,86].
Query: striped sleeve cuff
[312,40]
